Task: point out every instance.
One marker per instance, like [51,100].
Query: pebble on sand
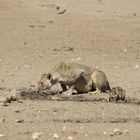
[17,68]
[36,135]
[64,128]
[137,67]
[105,133]
[96,67]
[40,55]
[85,135]
[20,121]
[116,131]
[126,131]
[55,136]
[116,67]
[17,111]
[70,138]
[26,66]
[2,120]
[1,135]
[78,58]
[125,50]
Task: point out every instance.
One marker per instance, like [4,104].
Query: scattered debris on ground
[117,131]
[62,12]
[117,95]
[20,121]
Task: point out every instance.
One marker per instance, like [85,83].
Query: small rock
[103,113]
[137,66]
[125,50]
[112,134]
[70,138]
[17,68]
[86,135]
[40,55]
[27,132]
[96,67]
[25,43]
[17,111]
[50,21]
[116,67]
[1,135]
[20,121]
[54,110]
[116,131]
[126,131]
[134,14]
[57,7]
[2,120]
[13,98]
[36,135]
[78,58]
[37,117]
[0,59]
[26,66]
[69,49]
[55,136]
[8,100]
[105,133]
[64,128]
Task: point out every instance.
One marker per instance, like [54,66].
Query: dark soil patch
[29,94]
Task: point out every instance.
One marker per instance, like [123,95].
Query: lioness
[76,77]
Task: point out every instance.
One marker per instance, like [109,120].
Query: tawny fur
[76,77]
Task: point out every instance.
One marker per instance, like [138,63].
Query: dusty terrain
[101,33]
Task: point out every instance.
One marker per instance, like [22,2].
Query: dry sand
[99,33]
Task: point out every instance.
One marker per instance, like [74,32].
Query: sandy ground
[99,33]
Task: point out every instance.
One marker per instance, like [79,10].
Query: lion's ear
[49,76]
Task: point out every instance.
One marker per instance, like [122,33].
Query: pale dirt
[98,33]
